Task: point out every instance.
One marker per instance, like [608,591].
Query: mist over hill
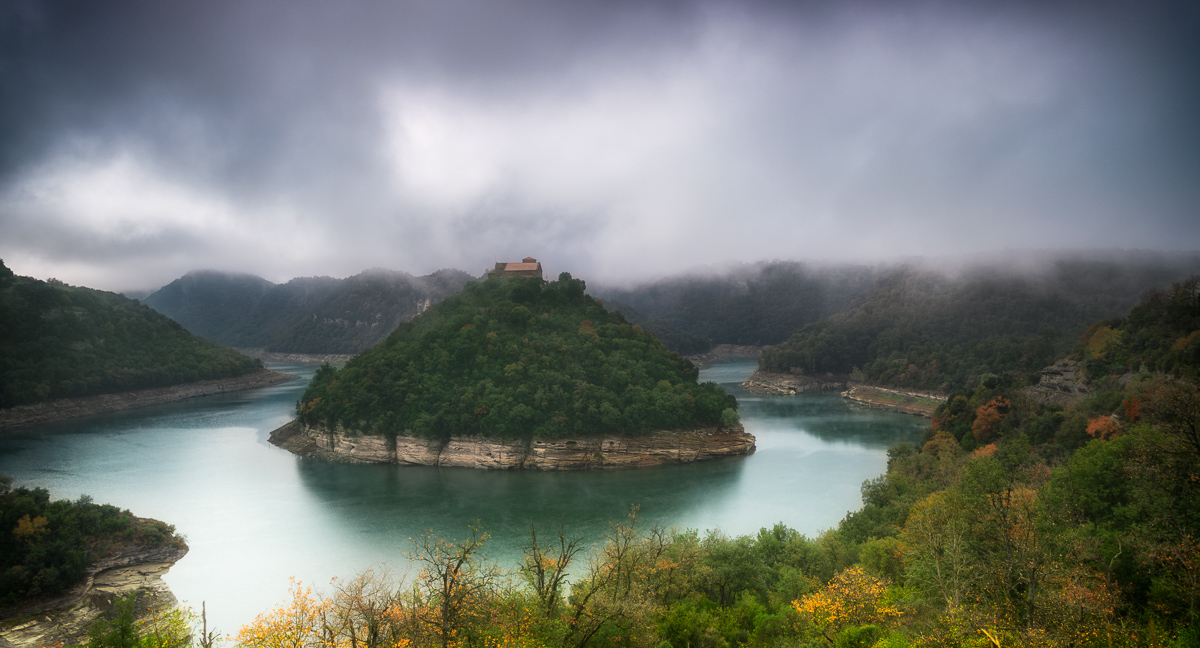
[306,314]
[767,303]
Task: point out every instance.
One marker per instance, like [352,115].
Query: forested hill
[513,358]
[765,303]
[304,315]
[925,329]
[61,341]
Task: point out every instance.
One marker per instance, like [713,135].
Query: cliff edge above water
[605,452]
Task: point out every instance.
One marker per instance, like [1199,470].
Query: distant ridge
[309,315]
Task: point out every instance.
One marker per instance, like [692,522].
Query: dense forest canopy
[61,341]
[1161,334]
[304,315]
[516,358]
[926,329]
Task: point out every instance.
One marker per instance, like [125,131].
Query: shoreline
[611,452]
[68,408]
[335,359]
[781,384]
[904,401]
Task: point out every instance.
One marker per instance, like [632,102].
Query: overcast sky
[617,140]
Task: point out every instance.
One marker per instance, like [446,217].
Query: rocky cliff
[585,453]
[1062,383]
[66,619]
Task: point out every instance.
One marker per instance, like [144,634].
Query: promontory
[517,373]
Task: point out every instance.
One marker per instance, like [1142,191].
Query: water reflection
[401,501]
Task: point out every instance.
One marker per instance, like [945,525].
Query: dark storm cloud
[140,140]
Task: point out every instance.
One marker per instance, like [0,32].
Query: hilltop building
[528,267]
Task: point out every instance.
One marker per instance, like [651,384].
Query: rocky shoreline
[583,453]
[781,384]
[65,620]
[67,408]
[917,403]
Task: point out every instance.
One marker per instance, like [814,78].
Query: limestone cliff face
[66,619]
[584,453]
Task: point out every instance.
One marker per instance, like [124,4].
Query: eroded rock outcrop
[65,620]
[1062,383]
[584,453]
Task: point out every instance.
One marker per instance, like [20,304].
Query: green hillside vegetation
[516,358]
[1162,334]
[672,338]
[923,329]
[47,545]
[61,341]
[304,315]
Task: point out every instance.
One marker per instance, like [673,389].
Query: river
[255,516]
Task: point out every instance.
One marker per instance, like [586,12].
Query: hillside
[516,358]
[758,304]
[304,315]
[925,329]
[60,341]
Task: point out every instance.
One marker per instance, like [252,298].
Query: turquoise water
[255,515]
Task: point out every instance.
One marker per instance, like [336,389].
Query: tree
[935,545]
[852,598]
[545,569]
[453,584]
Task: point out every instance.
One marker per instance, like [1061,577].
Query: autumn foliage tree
[988,418]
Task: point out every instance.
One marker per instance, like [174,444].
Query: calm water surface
[255,515]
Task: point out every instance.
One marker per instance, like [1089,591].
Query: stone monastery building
[528,267]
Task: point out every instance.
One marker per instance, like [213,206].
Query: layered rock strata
[1062,383]
[67,408]
[582,453]
[66,619]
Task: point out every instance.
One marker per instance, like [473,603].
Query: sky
[620,140]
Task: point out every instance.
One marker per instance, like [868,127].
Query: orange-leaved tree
[852,598]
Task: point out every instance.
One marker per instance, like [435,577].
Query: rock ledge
[581,453]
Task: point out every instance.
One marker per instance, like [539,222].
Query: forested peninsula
[516,363]
[68,350]
[65,564]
